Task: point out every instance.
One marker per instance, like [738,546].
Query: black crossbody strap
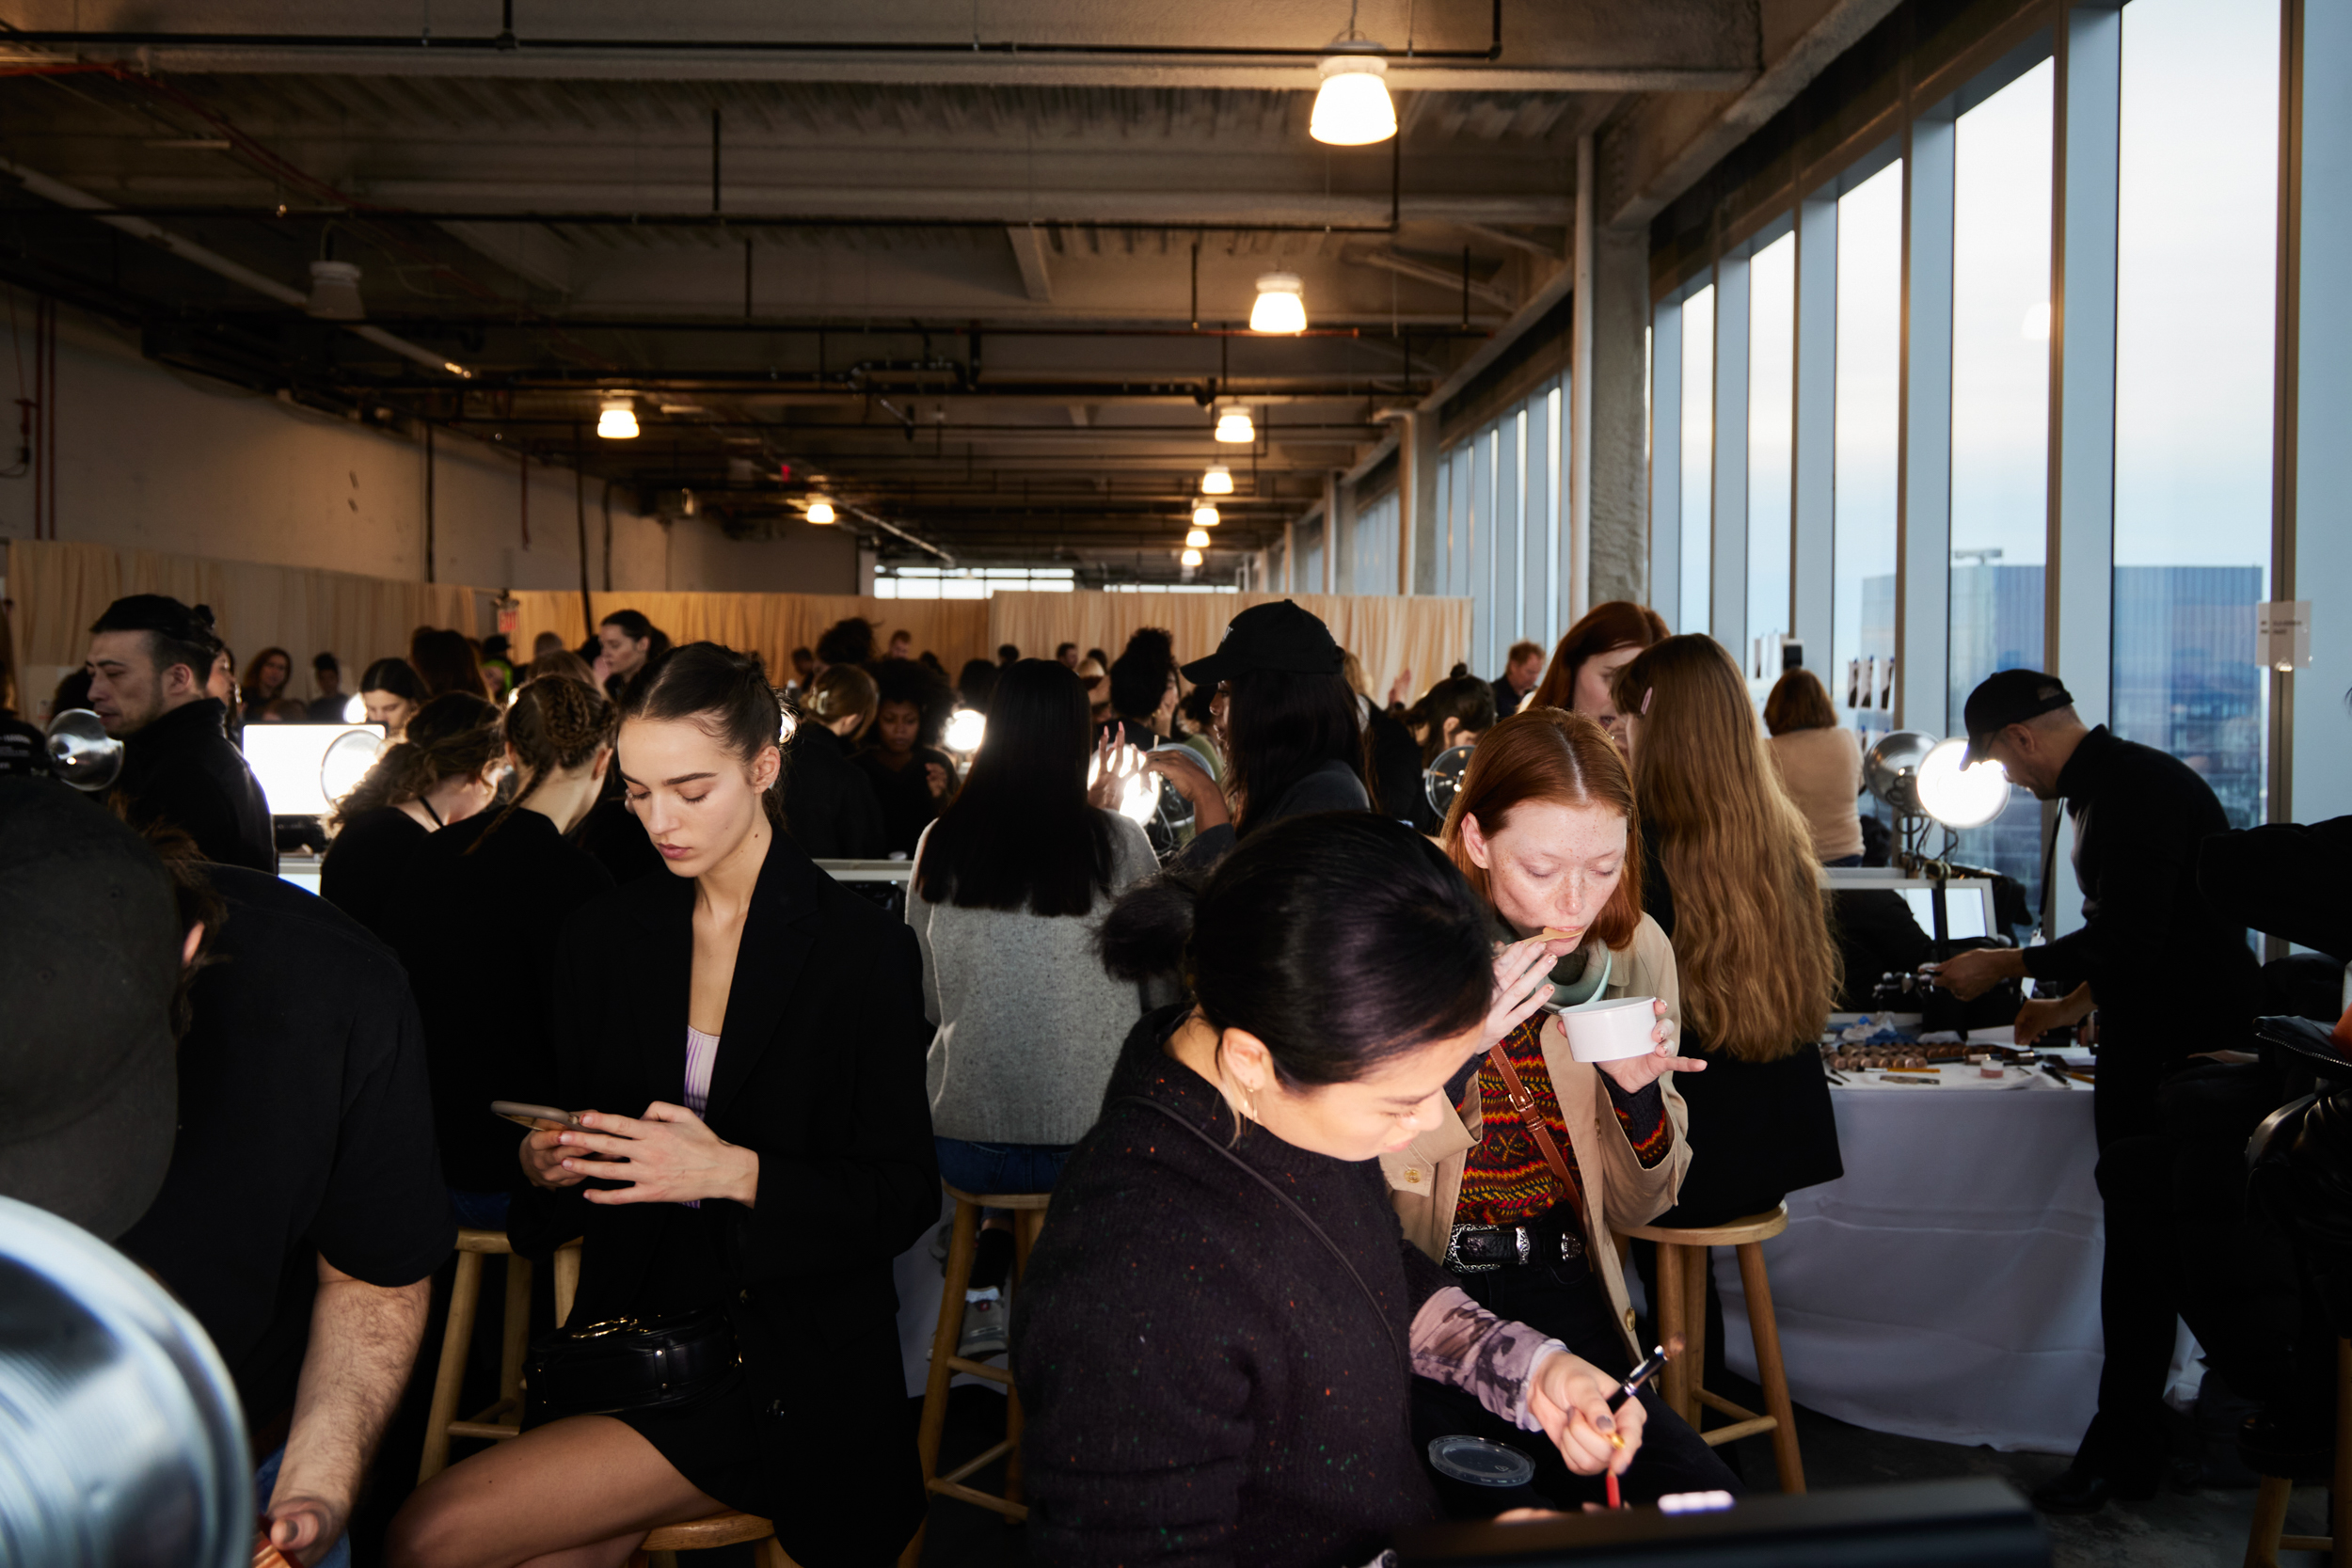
[1286,1202]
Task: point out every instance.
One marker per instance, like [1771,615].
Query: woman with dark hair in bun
[1222,1320]
[389,696]
[757,1151]
[478,981]
[443,770]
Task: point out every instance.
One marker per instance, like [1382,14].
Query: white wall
[151,459]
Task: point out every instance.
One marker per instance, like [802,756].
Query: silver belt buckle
[1524,1243]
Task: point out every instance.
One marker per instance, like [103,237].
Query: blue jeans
[481,1210]
[265,1481]
[1000,1167]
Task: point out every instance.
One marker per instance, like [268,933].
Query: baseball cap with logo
[89,955]
[2005,698]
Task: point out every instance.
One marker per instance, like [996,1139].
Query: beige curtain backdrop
[771,625]
[61,588]
[1422,634]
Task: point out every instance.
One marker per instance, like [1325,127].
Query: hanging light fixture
[1352,108]
[1190,557]
[1204,515]
[1233,426]
[820,511]
[1196,540]
[1218,480]
[616,419]
[1281,304]
[335,292]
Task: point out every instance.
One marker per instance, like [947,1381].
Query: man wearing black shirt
[303,1212]
[2169,975]
[1521,668]
[150,657]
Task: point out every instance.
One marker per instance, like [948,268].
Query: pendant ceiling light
[616,419]
[1281,304]
[1190,557]
[1233,426]
[820,511]
[1196,540]
[335,292]
[1204,515]
[1218,480]
[1352,107]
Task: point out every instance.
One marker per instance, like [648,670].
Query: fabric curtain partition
[770,625]
[61,588]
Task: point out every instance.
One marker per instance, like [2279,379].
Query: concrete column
[1290,555]
[1578,460]
[1923,527]
[1813,512]
[2318,765]
[1665,467]
[1428,528]
[1727,581]
[1334,530]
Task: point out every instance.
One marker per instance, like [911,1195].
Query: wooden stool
[2268,1536]
[1683,1265]
[504,1416]
[661,1546]
[1028,1216]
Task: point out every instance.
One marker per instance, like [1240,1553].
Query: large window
[1698,456]
[2194,329]
[1772,441]
[2000,420]
[1870,368]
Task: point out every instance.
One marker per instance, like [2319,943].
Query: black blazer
[820,1071]
[830,807]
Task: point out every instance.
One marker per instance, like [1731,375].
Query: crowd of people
[1328,1180]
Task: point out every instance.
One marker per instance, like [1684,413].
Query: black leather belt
[1482,1248]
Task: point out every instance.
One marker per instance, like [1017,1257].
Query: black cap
[1278,636]
[2009,697]
[89,954]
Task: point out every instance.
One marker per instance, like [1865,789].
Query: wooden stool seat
[1681,1309]
[503,1418]
[719,1530]
[1028,1217]
[2268,1536]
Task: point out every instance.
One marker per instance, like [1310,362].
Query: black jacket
[368,863]
[819,1072]
[477,933]
[2170,970]
[1203,1383]
[1333,786]
[181,769]
[2285,878]
[1758,1130]
[905,795]
[830,808]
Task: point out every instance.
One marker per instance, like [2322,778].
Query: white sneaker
[987,1316]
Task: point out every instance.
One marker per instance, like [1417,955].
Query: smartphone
[539,1119]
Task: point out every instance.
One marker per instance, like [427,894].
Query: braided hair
[454,735]
[556,724]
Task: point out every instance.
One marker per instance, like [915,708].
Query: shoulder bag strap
[1524,1104]
[1286,1202]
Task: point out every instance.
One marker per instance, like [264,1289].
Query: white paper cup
[1610,1031]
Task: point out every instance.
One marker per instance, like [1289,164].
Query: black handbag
[628,1364]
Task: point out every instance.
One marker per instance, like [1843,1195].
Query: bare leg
[579,1493]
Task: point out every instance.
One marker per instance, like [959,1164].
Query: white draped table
[1948,1285]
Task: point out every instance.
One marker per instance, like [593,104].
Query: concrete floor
[2201,1528]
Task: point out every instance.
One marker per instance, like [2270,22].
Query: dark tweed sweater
[1203,1383]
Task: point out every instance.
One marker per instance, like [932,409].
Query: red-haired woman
[1518,1190]
[1589,655]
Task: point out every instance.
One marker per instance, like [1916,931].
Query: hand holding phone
[539,1119]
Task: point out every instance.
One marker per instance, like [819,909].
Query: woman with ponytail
[479,978]
[443,770]
[742,1039]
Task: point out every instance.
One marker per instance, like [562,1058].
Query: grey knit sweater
[1029,1024]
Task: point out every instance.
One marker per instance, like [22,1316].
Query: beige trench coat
[1426,1178]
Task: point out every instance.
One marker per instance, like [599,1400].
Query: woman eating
[754,1152]
[1518,1194]
[1221,1322]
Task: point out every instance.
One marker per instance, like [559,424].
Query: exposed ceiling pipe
[508,42]
[664,219]
[213,262]
[860,513]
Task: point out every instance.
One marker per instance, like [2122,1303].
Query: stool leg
[567,1280]
[1764,1329]
[1695,1262]
[1668,1311]
[2270,1522]
[961,1247]
[2339,1498]
[768,1552]
[517,1333]
[464,1295]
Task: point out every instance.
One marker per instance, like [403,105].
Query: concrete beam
[1660,149]
[527,251]
[1029,253]
[1406,266]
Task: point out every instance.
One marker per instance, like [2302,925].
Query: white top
[702,1055]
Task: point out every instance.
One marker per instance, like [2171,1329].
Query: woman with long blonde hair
[1729,874]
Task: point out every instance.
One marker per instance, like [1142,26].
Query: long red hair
[1604,628]
[1549,754]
